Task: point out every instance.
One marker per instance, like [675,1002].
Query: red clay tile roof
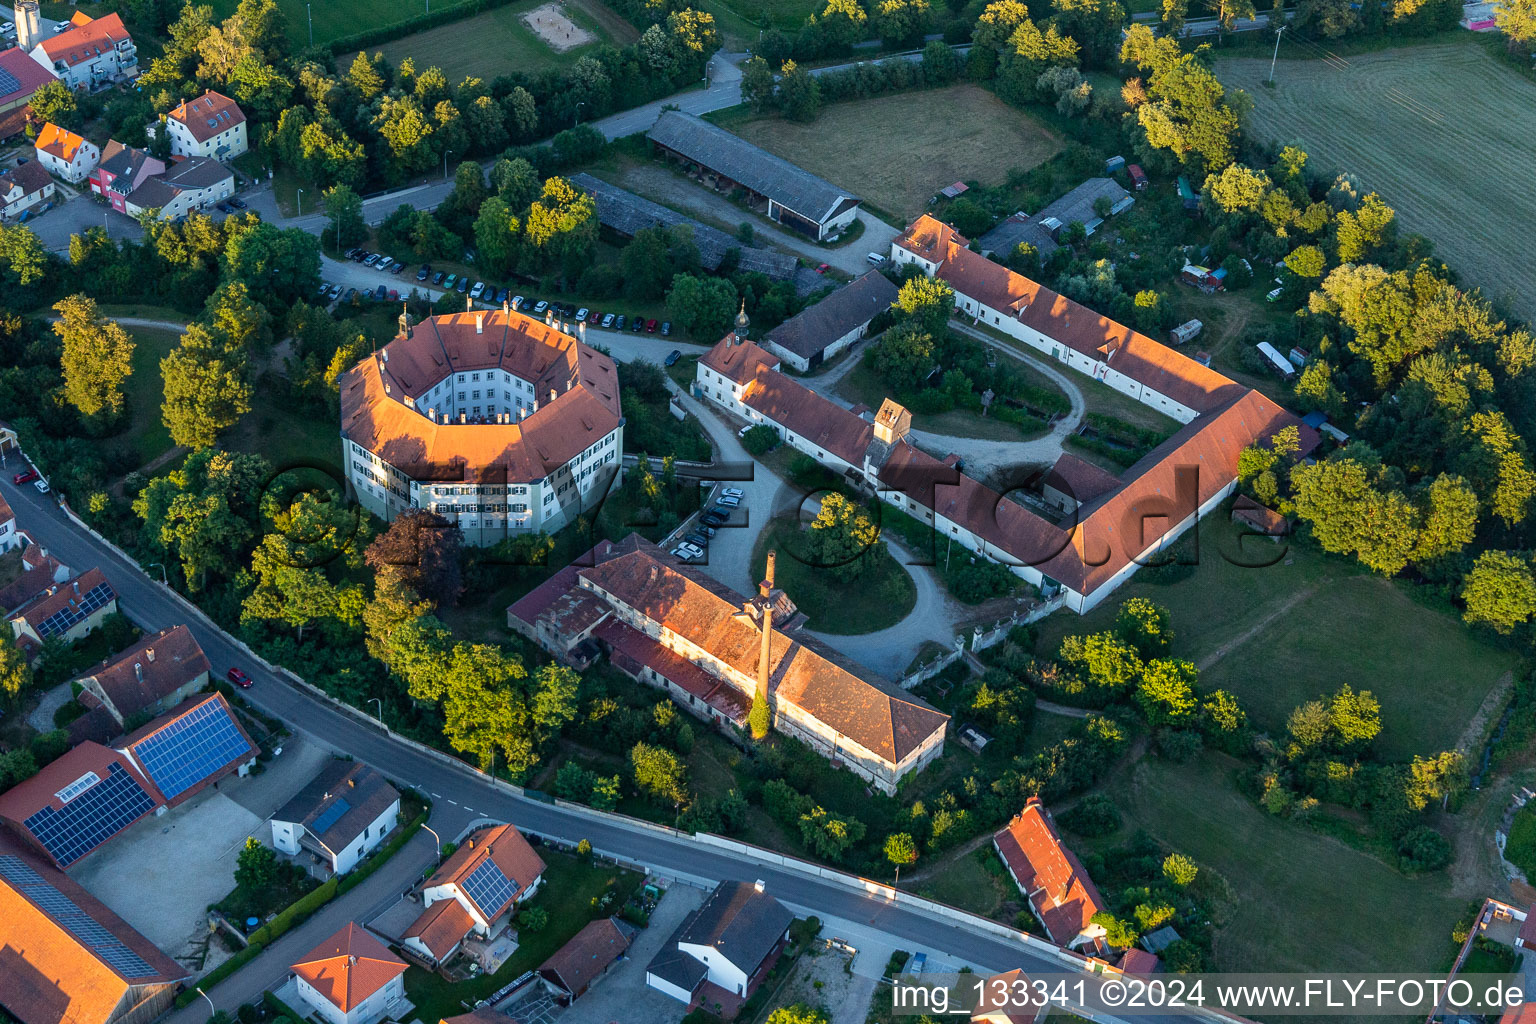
[31,177]
[1079,479]
[60,596]
[6,515]
[503,844]
[441,927]
[349,967]
[30,76]
[1048,873]
[1522,1013]
[30,583]
[86,41]
[374,393]
[820,421]
[59,142]
[874,713]
[738,360]
[152,669]
[51,975]
[1013,987]
[693,680]
[577,963]
[1266,520]
[480,1016]
[195,113]
[25,799]
[1139,961]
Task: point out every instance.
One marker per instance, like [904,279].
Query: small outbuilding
[578,964]
[826,329]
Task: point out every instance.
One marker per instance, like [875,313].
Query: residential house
[10,536]
[211,125]
[70,156]
[586,958]
[196,744]
[826,329]
[79,802]
[66,959]
[489,875]
[350,978]
[722,951]
[793,197]
[24,187]
[121,170]
[1009,998]
[65,611]
[188,185]
[39,571]
[340,816]
[1264,521]
[156,674]
[1060,893]
[1140,962]
[91,54]
[20,77]
[711,649]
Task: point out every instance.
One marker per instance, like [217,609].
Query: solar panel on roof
[107,947]
[92,818]
[191,748]
[489,887]
[8,83]
[321,825]
[66,618]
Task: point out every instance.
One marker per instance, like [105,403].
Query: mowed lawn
[897,151]
[145,391]
[498,42]
[1443,132]
[1282,634]
[1303,901]
[335,19]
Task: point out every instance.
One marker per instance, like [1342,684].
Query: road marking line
[454,802]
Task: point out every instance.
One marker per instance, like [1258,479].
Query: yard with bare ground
[897,151]
[1442,132]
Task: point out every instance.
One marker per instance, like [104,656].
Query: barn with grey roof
[627,214]
[793,196]
[824,330]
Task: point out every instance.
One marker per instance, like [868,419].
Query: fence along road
[462,794]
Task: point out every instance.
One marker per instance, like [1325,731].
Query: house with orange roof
[1009,998]
[496,421]
[351,978]
[489,875]
[65,958]
[211,125]
[70,156]
[91,54]
[1060,893]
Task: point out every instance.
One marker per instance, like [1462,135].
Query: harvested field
[1419,126]
[501,41]
[897,151]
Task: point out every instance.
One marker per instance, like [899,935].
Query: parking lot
[161,874]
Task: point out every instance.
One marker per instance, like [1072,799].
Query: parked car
[823,269]
[478,290]
[335,291]
[650,327]
[743,431]
[26,476]
[723,511]
[394,296]
[595,317]
[370,259]
[637,324]
[41,485]
[666,328]
[351,294]
[875,259]
[501,296]
[452,280]
[379,293]
[517,303]
[358,255]
[697,539]
[618,323]
[733,492]
[607,319]
[681,555]
[236,202]
[708,531]
[239,678]
[581,314]
[437,278]
[221,207]
[353,253]
[729,502]
[692,549]
[424,273]
[540,308]
[673,357]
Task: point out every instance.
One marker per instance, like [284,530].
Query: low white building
[195,183]
[825,330]
[493,871]
[70,156]
[24,187]
[350,978]
[10,537]
[339,817]
[730,943]
[91,54]
[211,125]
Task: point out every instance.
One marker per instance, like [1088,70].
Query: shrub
[533,920]
[1423,849]
[760,440]
[1094,816]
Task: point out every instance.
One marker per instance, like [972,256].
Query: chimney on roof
[553,394]
[506,307]
[479,323]
[760,885]
[470,843]
[138,672]
[384,355]
[766,586]
[77,586]
[352,783]
[351,960]
[150,654]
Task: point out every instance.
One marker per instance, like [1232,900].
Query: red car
[26,476]
[240,679]
[595,318]
[823,269]
[650,327]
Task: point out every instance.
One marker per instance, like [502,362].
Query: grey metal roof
[778,179]
[196,172]
[624,212]
[740,922]
[1076,205]
[674,966]
[365,790]
[815,327]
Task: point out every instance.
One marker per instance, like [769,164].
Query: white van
[875,259]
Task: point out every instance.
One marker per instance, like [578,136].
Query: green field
[145,393]
[861,384]
[498,42]
[334,19]
[1304,901]
[880,598]
[897,151]
[1419,126]
[1280,635]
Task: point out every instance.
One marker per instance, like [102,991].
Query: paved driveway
[622,994]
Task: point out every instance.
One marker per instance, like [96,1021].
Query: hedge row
[302,909]
[410,26]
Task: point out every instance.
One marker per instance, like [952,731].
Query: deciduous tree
[97,357]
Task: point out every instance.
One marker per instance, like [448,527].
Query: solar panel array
[92,818]
[66,618]
[107,947]
[321,825]
[191,748]
[489,887]
[8,83]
